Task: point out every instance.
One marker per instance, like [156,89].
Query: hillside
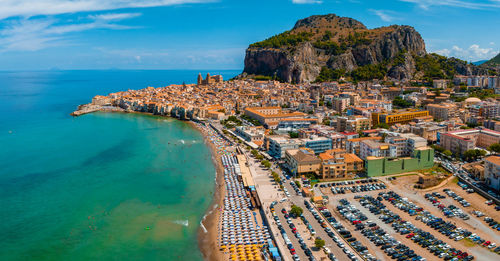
[325,47]
[495,61]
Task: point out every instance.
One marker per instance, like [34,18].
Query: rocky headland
[344,45]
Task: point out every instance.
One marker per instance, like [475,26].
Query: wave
[203,226]
[182,222]
[183,142]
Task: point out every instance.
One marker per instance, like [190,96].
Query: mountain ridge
[322,45]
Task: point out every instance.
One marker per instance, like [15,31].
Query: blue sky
[213,34]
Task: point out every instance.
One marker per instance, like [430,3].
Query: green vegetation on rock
[327,75]
[284,39]
[435,66]
[369,72]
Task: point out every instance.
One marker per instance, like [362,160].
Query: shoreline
[208,237]
[207,234]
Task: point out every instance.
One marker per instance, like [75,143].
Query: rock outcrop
[302,62]
[336,42]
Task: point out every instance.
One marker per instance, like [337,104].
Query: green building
[422,158]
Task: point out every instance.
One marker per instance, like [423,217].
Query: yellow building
[397,117]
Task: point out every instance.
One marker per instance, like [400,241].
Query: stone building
[209,79]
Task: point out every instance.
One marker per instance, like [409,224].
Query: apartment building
[318,144]
[353,124]
[251,134]
[397,116]
[442,111]
[353,145]
[278,145]
[340,104]
[271,116]
[302,162]
[492,171]
[428,130]
[338,164]
[460,141]
[371,148]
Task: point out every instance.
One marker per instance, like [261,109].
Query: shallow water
[105,186]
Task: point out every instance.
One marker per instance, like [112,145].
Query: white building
[492,171]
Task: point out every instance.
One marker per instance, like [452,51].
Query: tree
[296,210]
[438,148]
[495,147]
[382,125]
[447,153]
[298,183]
[400,102]
[319,243]
[276,177]
[266,163]
[474,154]
[469,155]
[293,135]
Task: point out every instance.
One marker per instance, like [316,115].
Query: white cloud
[35,34]
[114,16]
[307,1]
[426,4]
[28,8]
[473,53]
[385,15]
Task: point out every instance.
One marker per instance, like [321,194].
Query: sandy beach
[207,239]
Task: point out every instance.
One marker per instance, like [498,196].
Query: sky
[213,34]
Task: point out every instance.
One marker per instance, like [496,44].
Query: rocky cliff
[337,43]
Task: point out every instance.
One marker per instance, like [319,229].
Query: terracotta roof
[493,159]
[350,157]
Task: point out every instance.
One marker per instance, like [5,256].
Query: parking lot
[441,228]
[465,202]
[474,224]
[291,233]
[319,230]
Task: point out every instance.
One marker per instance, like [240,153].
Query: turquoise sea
[103,186]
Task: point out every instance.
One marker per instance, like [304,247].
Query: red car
[410,235]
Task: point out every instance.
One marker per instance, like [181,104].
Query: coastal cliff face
[343,46]
[301,65]
[334,42]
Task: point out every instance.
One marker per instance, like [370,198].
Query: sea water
[102,186]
